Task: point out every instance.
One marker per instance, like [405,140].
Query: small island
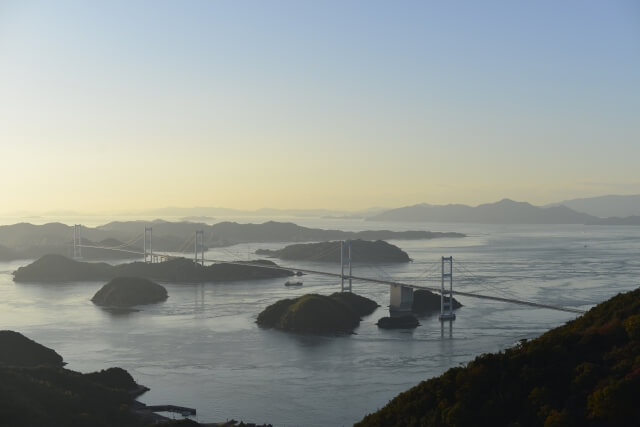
[426,302]
[317,314]
[364,251]
[408,321]
[123,292]
[58,269]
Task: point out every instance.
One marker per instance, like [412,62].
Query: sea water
[202,349]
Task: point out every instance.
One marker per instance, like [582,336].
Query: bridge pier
[401,300]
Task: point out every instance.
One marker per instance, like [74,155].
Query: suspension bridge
[401,293]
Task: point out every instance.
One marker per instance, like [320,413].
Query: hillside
[586,373]
[36,391]
[18,350]
[503,212]
[362,251]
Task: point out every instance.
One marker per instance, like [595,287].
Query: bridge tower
[77,241]
[148,251]
[199,246]
[345,260]
[446,296]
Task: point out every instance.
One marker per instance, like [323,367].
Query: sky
[128,105]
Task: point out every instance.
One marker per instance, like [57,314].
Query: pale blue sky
[344,104]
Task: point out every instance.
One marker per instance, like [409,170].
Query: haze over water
[201,348]
[118,107]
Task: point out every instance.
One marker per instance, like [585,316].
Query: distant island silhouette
[505,211]
[56,268]
[362,250]
[28,241]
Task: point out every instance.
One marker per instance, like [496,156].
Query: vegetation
[57,268]
[116,378]
[317,314]
[45,396]
[18,350]
[586,373]
[129,291]
[363,251]
[425,302]
[361,305]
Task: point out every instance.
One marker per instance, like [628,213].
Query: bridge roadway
[366,279]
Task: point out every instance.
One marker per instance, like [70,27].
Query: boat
[291,283]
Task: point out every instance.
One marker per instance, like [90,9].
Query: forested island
[585,373]
[124,292]
[407,321]
[57,268]
[340,312]
[362,251]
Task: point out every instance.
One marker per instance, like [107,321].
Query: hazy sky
[300,104]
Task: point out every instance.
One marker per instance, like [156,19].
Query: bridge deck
[371,280]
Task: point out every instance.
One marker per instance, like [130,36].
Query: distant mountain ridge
[505,211]
[27,241]
[605,206]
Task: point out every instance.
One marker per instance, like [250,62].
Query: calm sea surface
[202,348]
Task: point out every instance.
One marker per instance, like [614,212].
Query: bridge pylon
[148,250]
[77,241]
[199,247]
[446,296]
[345,260]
